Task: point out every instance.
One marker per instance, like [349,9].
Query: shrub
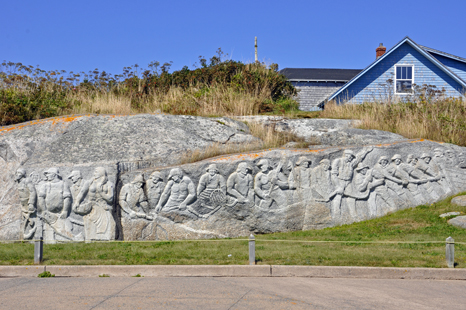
[221,87]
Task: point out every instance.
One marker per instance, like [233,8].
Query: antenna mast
[255,46]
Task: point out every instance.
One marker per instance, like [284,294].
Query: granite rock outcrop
[119,177]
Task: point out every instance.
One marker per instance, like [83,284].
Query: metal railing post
[252,250]
[450,252]
[38,250]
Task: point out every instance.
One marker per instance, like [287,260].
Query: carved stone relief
[28,199]
[97,211]
[56,211]
[276,191]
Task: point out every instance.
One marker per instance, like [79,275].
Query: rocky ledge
[119,177]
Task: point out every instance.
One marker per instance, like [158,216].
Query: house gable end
[371,83]
[377,82]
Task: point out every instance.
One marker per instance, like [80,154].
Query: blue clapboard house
[396,72]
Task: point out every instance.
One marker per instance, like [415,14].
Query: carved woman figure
[98,218]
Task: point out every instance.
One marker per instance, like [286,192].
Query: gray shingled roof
[314,74]
[431,50]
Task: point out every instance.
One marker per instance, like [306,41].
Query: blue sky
[109,35]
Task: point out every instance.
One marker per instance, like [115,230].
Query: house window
[404,79]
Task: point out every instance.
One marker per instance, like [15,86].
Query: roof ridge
[429,49]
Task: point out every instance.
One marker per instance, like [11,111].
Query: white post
[252,250]
[450,252]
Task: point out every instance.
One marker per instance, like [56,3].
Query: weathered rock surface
[117,142]
[103,177]
[459,221]
[331,132]
[459,201]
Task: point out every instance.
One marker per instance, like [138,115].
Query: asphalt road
[229,293]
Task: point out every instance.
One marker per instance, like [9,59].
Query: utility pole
[255,46]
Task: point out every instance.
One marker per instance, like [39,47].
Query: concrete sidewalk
[237,271]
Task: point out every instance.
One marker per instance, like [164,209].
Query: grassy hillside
[216,87]
[407,238]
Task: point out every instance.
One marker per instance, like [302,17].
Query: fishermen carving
[267,185]
[212,189]
[339,192]
[178,193]
[133,200]
[322,187]
[54,199]
[382,202]
[154,187]
[28,198]
[240,184]
[431,172]
[342,174]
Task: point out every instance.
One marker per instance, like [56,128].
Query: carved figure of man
[405,171]
[453,169]
[265,182]
[212,189]
[54,199]
[28,198]
[133,200]
[154,187]
[421,178]
[303,174]
[321,181]
[77,179]
[397,180]
[381,192]
[450,159]
[240,184]
[364,181]
[178,193]
[439,163]
[432,172]
[97,211]
[342,174]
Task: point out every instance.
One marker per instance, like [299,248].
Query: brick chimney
[379,51]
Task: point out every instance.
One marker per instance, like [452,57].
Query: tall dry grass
[212,101]
[442,120]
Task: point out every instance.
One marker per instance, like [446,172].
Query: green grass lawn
[412,225]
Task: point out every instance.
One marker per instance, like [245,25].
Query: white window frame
[412,78]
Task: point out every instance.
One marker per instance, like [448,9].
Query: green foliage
[104,275]
[28,93]
[46,274]
[19,106]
